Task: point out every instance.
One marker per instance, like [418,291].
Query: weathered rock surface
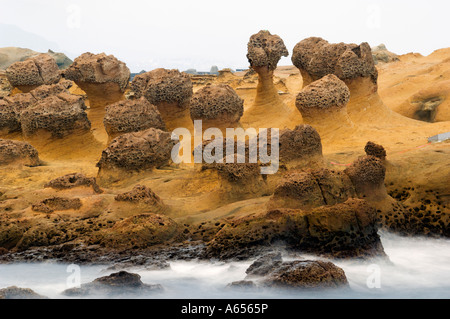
[60,115]
[272,271]
[132,116]
[217,104]
[265,50]
[376,150]
[140,231]
[74,180]
[15,152]
[163,86]
[103,77]
[52,204]
[35,71]
[348,229]
[138,151]
[316,58]
[140,194]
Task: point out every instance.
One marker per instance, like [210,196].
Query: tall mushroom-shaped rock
[217,106]
[351,63]
[29,74]
[59,115]
[264,52]
[131,116]
[103,77]
[170,91]
[135,152]
[323,104]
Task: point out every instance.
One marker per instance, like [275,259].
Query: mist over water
[417,268]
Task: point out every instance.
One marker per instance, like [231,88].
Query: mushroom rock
[300,146]
[103,77]
[134,152]
[132,116]
[264,52]
[59,115]
[170,91]
[217,106]
[323,104]
[351,63]
[29,74]
[316,58]
[367,174]
[15,152]
[74,180]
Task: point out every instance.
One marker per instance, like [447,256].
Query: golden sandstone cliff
[86,171]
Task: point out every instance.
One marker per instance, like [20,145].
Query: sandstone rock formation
[301,146]
[376,150]
[140,231]
[15,152]
[29,74]
[348,229]
[217,106]
[316,58]
[138,151]
[74,180]
[170,91]
[132,116]
[52,204]
[120,283]
[351,63]
[324,102]
[264,52]
[312,188]
[140,194]
[367,174]
[103,77]
[59,115]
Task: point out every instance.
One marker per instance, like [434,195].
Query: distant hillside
[10,55]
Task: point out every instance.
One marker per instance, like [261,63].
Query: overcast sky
[199,33]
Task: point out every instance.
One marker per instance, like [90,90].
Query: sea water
[417,268]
